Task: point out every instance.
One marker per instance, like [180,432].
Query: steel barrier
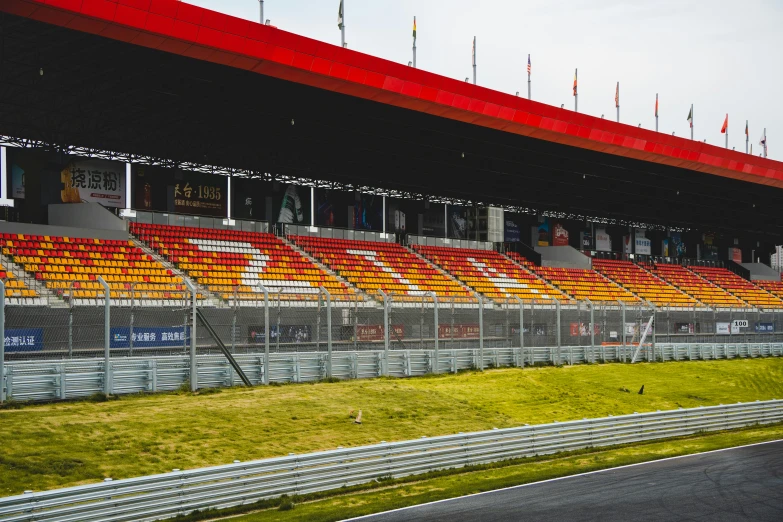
[40,380]
[167,495]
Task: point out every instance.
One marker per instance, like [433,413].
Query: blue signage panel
[23,340]
[765,327]
[149,337]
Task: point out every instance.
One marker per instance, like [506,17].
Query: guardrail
[79,378]
[167,495]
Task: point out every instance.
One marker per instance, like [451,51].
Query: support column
[107,385]
[436,360]
[267,333]
[3,386]
[385,369]
[328,331]
[193,337]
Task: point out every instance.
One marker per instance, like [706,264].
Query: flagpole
[576,91]
[656,112]
[691,121]
[765,142]
[342,29]
[528,77]
[414,42]
[261,4]
[474,60]
[747,136]
[618,102]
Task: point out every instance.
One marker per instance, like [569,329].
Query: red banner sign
[583,329]
[560,236]
[458,331]
[374,332]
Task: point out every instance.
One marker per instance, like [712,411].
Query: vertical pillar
[312,207]
[193,337]
[592,330]
[436,360]
[328,331]
[3,386]
[521,330]
[106,335]
[267,333]
[481,331]
[5,201]
[622,326]
[559,341]
[385,369]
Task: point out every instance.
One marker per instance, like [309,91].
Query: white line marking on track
[562,478]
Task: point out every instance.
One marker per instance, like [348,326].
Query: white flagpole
[765,142]
[656,112]
[618,102]
[727,131]
[414,44]
[747,136]
[576,92]
[261,3]
[692,116]
[474,60]
[342,29]
[528,76]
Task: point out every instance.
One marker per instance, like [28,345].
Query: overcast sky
[720,55]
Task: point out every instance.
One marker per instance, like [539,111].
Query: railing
[167,495]
[337,233]
[47,380]
[183,220]
[449,242]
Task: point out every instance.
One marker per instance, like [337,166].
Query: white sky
[720,55]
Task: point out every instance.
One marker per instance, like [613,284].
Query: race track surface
[743,483]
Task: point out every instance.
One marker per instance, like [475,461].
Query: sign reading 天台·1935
[198,198]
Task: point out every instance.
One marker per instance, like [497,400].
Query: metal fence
[167,495]
[543,331]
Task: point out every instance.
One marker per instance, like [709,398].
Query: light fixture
[678,192]
[292,121]
[463,154]
[40,71]
[467,79]
[268,21]
[517,93]
[602,116]
[562,105]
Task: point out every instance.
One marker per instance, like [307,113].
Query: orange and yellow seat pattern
[490,273]
[585,284]
[232,262]
[738,286]
[372,266]
[642,283]
[699,288]
[15,287]
[773,287]
[74,264]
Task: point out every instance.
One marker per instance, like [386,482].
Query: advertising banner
[684,328]
[560,235]
[291,205]
[286,334]
[583,329]
[735,254]
[586,240]
[458,331]
[458,222]
[642,245]
[512,232]
[23,340]
[17,182]
[765,327]
[723,329]
[676,246]
[543,233]
[374,332]
[94,181]
[603,242]
[368,212]
[665,248]
[433,221]
[149,337]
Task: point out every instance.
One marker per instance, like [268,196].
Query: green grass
[418,490]
[63,444]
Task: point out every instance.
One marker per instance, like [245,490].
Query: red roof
[191,31]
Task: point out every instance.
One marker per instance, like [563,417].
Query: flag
[725,125]
[575,82]
[474,50]
[340,22]
[528,65]
[656,105]
[746,127]
[763,140]
[617,96]
[414,30]
[690,116]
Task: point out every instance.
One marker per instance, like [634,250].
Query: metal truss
[141,159]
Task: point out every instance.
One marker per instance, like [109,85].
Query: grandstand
[490,273]
[379,266]
[586,284]
[699,288]
[642,283]
[739,287]
[70,267]
[234,263]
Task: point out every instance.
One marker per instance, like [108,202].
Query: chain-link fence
[517,333]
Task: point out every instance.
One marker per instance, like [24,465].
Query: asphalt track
[744,483]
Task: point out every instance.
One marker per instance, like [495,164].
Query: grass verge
[411,491]
[64,444]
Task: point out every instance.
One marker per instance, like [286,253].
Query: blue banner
[765,327]
[150,337]
[23,340]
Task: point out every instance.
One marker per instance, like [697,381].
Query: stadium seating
[372,266]
[697,287]
[585,284]
[738,286]
[642,283]
[773,287]
[16,291]
[225,261]
[65,264]
[490,273]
